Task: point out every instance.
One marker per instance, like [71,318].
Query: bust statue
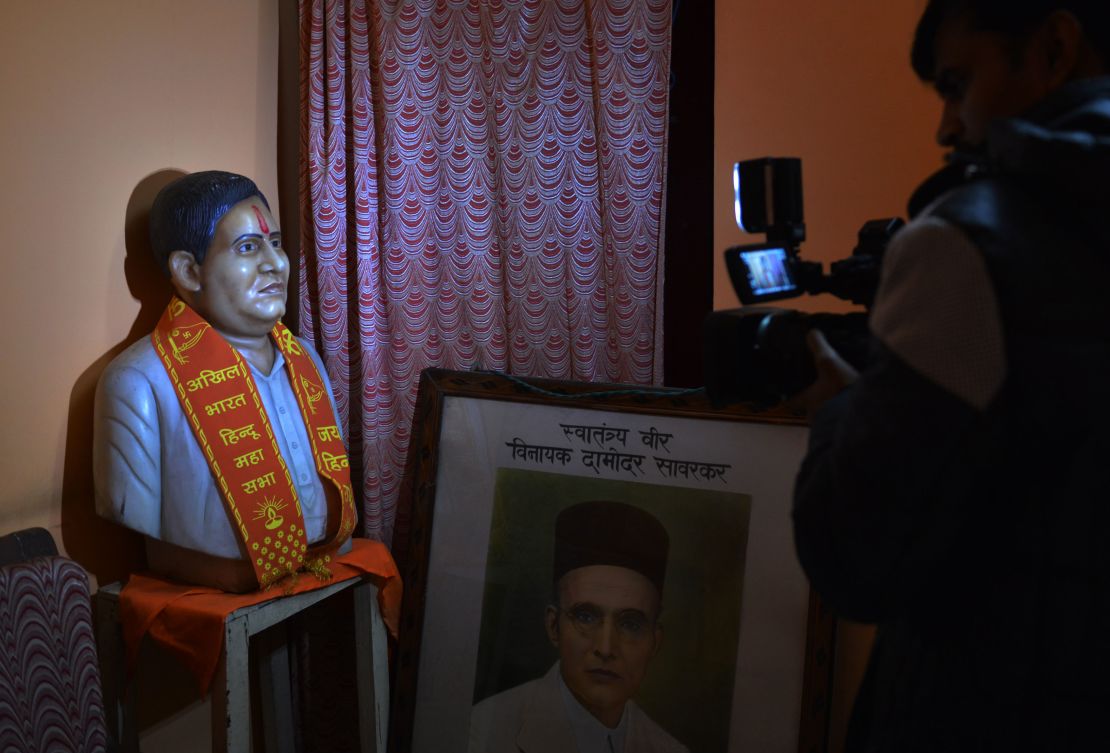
[217,436]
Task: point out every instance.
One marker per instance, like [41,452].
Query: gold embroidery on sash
[233,436]
[186,338]
[262,482]
[255,482]
[268,511]
[228,403]
[289,343]
[334,462]
[313,392]
[208,377]
[328,432]
[254,457]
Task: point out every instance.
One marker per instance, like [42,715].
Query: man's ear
[551,623]
[658,635]
[184,272]
[1062,45]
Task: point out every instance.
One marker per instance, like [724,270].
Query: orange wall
[829,82]
[97,97]
[99,100]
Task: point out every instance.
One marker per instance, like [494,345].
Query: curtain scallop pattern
[482,186]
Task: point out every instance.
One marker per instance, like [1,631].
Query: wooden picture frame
[744,662]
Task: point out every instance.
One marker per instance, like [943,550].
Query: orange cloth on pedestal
[189,620]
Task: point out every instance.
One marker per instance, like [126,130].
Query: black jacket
[979,539]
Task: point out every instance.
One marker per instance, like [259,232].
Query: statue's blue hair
[185,213]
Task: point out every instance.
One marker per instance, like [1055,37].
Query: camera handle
[856,278]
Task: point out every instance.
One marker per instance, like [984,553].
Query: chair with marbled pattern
[50,692]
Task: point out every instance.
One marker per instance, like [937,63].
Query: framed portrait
[602,565]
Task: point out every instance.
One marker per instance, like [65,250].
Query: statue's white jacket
[149,472]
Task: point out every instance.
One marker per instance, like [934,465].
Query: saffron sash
[218,394]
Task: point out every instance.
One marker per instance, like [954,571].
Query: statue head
[185,213]
[213,234]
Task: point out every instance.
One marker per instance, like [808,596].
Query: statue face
[242,283]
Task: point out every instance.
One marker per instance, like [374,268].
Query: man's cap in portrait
[610,533]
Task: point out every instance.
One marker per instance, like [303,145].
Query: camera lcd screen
[768,271]
[761,273]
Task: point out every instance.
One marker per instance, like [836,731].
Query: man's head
[993,59]
[609,564]
[213,234]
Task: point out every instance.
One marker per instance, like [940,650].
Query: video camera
[757,353]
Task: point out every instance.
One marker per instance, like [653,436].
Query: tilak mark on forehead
[261,220]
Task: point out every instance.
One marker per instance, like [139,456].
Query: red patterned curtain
[482,187]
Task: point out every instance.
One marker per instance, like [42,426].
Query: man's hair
[1015,19]
[185,213]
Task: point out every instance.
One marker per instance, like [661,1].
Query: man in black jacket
[956,492]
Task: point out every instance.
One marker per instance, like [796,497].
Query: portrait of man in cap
[609,564]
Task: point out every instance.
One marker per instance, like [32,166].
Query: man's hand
[833,375]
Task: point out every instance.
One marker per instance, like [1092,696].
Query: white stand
[231,703]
